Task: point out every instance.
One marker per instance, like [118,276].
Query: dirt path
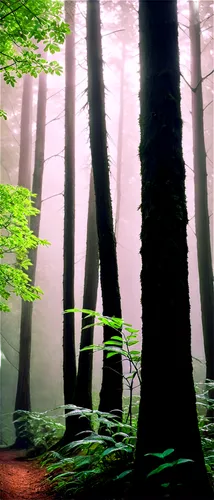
[22,479]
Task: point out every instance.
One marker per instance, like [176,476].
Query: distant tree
[202,223]
[83,392]
[24,176]
[167,379]
[111,389]
[23,386]
[69,356]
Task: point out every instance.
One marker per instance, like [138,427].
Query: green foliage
[104,464]
[121,343]
[171,486]
[24,24]
[41,430]
[16,239]
[99,462]
[206,425]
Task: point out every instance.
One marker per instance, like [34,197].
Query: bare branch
[9,343]
[57,154]
[189,167]
[52,95]
[181,74]
[53,196]
[112,32]
[10,362]
[58,117]
[207,105]
[194,89]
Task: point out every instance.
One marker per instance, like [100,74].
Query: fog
[46,369]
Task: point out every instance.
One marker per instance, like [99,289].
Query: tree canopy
[24,24]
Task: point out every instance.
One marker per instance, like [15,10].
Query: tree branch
[208,105]
[194,89]
[54,156]
[53,196]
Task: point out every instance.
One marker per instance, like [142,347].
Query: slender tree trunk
[69,357]
[111,390]
[201,203]
[83,396]
[83,391]
[24,177]
[167,414]
[23,387]
[120,138]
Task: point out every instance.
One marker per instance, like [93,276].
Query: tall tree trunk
[111,390]
[167,416]
[69,357]
[201,203]
[23,387]
[24,177]
[83,391]
[120,137]
[83,396]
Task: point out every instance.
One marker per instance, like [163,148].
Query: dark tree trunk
[167,415]
[83,392]
[201,203]
[69,357]
[83,396]
[24,177]
[23,386]
[111,390]
[120,138]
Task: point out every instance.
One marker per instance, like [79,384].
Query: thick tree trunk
[201,202]
[69,357]
[23,386]
[111,390]
[24,177]
[167,415]
[120,138]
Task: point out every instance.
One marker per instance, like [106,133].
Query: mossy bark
[167,415]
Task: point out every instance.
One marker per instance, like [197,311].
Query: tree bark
[111,390]
[83,396]
[69,356]
[167,414]
[83,391]
[120,138]
[201,200]
[23,386]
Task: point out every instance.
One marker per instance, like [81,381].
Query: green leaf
[124,474]
[160,469]
[165,453]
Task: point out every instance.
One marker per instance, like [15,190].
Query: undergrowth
[104,463]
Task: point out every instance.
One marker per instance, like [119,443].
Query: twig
[53,196]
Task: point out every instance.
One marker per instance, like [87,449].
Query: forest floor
[22,479]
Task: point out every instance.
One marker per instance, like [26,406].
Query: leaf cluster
[24,25]
[16,239]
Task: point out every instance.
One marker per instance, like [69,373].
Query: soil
[22,479]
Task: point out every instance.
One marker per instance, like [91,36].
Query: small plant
[121,343]
[170,486]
